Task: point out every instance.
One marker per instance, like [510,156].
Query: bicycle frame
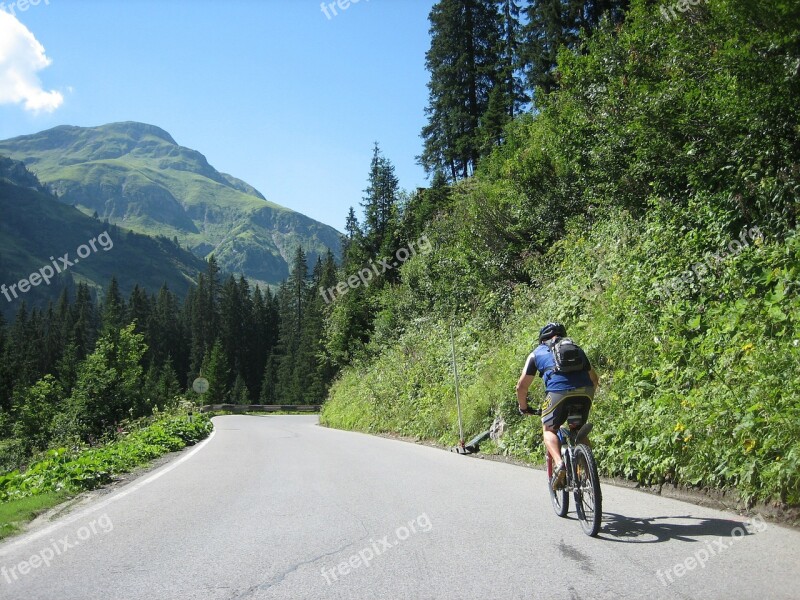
[570,437]
[584,486]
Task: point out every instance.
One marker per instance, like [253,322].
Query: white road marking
[35,535]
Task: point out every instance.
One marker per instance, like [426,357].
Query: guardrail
[242,408]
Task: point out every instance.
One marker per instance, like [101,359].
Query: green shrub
[72,471]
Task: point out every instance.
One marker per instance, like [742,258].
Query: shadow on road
[649,530]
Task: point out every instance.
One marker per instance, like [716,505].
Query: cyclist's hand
[528,411]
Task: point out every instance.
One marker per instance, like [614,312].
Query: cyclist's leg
[589,393]
[553,417]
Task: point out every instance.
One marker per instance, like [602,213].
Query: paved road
[279,508]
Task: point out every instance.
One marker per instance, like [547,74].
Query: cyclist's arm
[525,380]
[522,390]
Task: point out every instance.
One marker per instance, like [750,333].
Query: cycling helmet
[551,329]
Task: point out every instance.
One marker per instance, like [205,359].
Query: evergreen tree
[140,309]
[22,360]
[168,386]
[556,24]
[203,315]
[68,366]
[114,316]
[239,393]
[233,325]
[380,207]
[352,239]
[216,370]
[167,335]
[109,385]
[6,381]
[462,60]
[269,394]
[292,300]
[85,322]
[507,95]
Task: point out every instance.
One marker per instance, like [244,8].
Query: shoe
[559,477]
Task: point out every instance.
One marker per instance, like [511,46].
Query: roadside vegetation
[57,474]
[649,202]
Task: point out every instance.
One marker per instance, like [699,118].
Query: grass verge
[15,514]
[65,472]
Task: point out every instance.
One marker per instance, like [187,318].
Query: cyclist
[558,387]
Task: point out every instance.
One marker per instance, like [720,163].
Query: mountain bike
[582,479]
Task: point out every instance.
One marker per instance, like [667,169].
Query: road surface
[276,507]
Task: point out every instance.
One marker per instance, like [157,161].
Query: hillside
[651,204]
[34,226]
[137,176]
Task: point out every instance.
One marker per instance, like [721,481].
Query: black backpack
[568,356]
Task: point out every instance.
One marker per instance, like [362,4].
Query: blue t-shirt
[542,362]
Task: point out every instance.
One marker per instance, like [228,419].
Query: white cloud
[21,57]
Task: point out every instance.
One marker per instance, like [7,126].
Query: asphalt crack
[278,579]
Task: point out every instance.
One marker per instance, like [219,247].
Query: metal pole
[458,398]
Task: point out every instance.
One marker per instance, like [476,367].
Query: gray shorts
[561,405]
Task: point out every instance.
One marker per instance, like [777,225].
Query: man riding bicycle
[558,386]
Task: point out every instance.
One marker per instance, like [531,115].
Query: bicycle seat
[577,408]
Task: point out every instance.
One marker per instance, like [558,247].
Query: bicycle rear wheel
[588,497]
[560,498]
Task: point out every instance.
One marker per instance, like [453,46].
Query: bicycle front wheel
[588,498]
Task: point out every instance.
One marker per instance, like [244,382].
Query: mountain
[137,176]
[37,232]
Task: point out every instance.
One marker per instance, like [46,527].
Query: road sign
[200,385]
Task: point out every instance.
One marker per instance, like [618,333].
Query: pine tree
[114,313]
[233,324]
[6,381]
[268,394]
[239,393]
[292,299]
[167,334]
[139,309]
[462,61]
[84,318]
[507,95]
[168,386]
[380,207]
[556,24]
[217,372]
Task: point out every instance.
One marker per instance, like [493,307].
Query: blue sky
[271,91]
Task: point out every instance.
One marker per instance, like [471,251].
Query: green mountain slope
[34,226]
[135,175]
